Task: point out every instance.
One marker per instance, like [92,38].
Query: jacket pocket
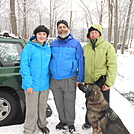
[74,66]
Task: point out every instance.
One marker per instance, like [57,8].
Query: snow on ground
[125,75]
[124,108]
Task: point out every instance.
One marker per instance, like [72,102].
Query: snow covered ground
[124,108]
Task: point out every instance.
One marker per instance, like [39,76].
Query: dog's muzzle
[85,89]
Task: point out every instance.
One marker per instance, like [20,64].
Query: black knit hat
[92,29]
[63,22]
[41,28]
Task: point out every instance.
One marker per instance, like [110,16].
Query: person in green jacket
[100,63]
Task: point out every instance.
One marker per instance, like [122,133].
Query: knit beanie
[41,28]
[90,30]
[63,22]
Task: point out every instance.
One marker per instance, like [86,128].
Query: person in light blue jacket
[67,70]
[34,69]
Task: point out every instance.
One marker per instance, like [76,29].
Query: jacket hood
[33,41]
[98,27]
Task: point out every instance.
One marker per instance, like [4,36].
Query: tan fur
[100,114]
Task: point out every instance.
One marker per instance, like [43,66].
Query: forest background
[20,17]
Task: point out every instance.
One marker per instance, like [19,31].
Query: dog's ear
[82,87]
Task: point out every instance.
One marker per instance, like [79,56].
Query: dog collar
[95,103]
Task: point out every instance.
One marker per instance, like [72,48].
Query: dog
[101,117]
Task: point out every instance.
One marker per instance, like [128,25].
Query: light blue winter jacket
[34,66]
[67,59]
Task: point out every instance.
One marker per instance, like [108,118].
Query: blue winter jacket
[35,66]
[67,59]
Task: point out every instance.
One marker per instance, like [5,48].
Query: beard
[64,35]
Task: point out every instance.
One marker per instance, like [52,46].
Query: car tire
[8,108]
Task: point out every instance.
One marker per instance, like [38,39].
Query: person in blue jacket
[34,69]
[67,69]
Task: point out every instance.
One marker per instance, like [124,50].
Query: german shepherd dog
[101,117]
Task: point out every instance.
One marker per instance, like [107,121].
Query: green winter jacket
[100,61]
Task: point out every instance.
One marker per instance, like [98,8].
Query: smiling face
[41,37]
[63,30]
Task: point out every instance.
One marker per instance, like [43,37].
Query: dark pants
[100,82]
[64,92]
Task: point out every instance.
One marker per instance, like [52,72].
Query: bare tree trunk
[130,44]
[13,17]
[50,18]
[54,25]
[101,10]
[71,13]
[110,20]
[88,11]
[86,17]
[122,30]
[101,14]
[129,37]
[25,22]
[127,25]
[116,25]
[70,22]
[132,32]
[54,13]
[121,20]
[19,20]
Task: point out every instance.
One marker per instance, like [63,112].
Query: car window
[9,53]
